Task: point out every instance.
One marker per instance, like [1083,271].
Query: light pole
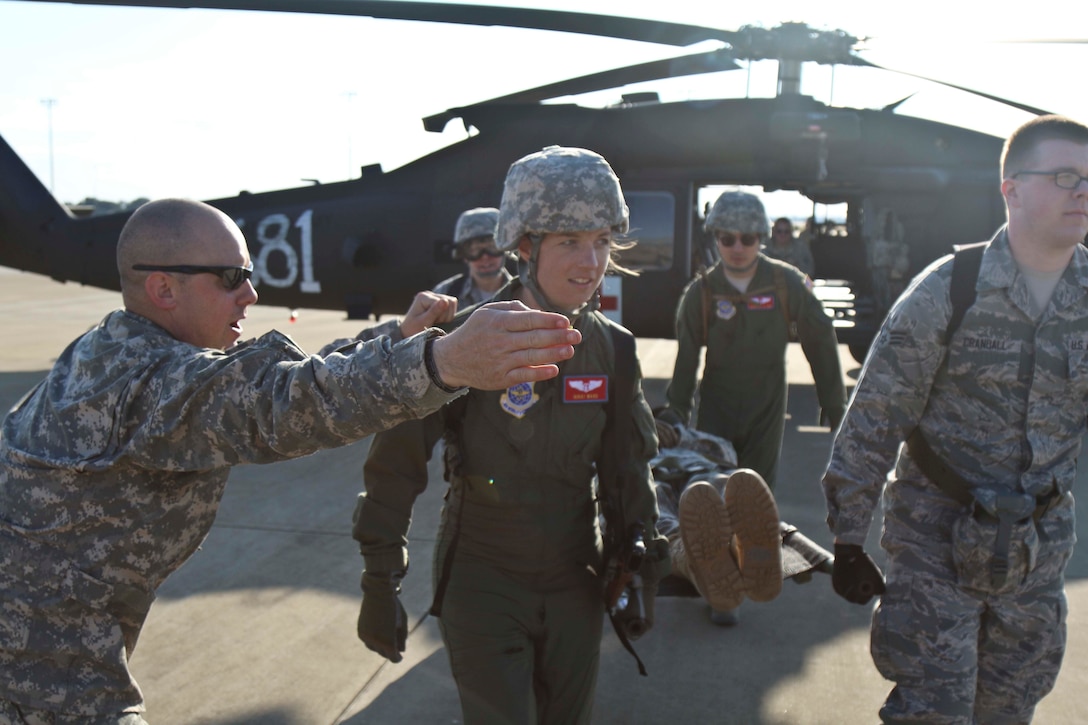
[49,103]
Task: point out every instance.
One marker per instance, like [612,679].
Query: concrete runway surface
[259,626]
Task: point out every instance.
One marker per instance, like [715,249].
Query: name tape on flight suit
[585,389]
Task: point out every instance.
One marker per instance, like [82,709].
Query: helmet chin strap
[527,275]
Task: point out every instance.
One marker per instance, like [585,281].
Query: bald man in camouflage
[112,468]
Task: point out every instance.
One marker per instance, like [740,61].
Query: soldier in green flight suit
[744,310]
[517,564]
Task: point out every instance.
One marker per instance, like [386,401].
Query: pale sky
[162,102]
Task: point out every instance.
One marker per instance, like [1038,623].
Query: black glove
[383,623]
[855,577]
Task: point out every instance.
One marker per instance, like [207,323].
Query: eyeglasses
[783,230]
[1064,179]
[728,239]
[231,277]
[481,252]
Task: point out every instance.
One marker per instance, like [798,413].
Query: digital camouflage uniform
[464,288]
[742,395]
[521,617]
[797,253]
[112,469]
[472,224]
[1004,406]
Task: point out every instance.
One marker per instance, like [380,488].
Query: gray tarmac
[259,626]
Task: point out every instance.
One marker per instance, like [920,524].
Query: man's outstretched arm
[502,344]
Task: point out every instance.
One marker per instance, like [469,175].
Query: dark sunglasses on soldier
[728,239]
[231,277]
[478,253]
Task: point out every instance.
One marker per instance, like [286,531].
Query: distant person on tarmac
[787,248]
[112,468]
[474,242]
[981,370]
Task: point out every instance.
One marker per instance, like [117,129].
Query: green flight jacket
[522,488]
[746,336]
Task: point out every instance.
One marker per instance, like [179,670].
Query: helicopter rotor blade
[1044,41]
[709,62]
[896,104]
[608,26]
[1013,104]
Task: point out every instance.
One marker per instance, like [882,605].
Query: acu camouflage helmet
[475,223]
[738,211]
[559,189]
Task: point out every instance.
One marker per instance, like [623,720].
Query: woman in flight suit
[518,557]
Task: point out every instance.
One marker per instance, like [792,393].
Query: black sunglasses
[483,251]
[232,277]
[728,239]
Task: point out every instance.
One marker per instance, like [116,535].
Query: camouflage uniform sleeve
[390,328]
[889,399]
[267,401]
[689,341]
[805,262]
[395,474]
[821,348]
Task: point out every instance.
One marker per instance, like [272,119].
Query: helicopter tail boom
[32,221]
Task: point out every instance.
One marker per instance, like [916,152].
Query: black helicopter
[912,187]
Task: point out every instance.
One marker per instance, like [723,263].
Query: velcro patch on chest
[761,302]
[725,309]
[585,389]
[518,399]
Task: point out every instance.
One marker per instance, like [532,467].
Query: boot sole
[754,516]
[707,533]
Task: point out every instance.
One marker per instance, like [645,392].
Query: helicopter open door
[661,257]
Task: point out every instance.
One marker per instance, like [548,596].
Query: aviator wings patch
[585,389]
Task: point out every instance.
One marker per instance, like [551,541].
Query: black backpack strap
[454,416]
[966,263]
[783,294]
[704,297]
[617,438]
[965,266]
[617,435]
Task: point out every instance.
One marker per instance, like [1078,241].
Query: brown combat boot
[753,513]
[706,538]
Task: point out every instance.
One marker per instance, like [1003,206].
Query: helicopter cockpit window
[653,221]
